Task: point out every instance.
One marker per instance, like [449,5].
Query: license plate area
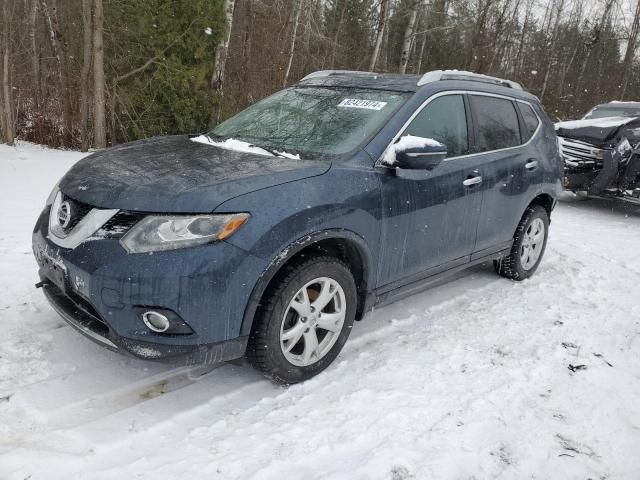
[52,269]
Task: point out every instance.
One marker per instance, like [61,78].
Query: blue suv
[269,235]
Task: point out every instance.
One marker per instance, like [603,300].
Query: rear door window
[443,119]
[496,123]
[531,121]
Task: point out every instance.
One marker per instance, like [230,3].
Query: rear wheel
[304,320]
[529,243]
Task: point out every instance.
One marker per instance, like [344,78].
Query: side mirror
[417,153]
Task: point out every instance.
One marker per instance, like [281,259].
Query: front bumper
[98,289]
[81,316]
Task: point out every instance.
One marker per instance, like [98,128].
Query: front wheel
[304,320]
[529,243]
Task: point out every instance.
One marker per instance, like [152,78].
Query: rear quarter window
[496,123]
[531,121]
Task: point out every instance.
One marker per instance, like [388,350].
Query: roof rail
[438,75]
[327,73]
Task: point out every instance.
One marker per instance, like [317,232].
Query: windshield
[312,121]
[602,112]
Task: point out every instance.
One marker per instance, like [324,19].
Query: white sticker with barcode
[358,103]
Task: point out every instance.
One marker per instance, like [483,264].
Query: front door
[430,217]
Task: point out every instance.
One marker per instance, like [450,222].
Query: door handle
[531,164]
[472,180]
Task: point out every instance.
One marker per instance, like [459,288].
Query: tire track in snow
[93,408]
[402,327]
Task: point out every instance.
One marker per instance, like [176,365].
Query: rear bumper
[84,319]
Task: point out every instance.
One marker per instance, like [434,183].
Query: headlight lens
[169,232]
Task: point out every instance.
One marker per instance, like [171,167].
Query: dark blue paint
[402,223]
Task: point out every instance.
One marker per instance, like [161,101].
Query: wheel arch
[545,200]
[342,244]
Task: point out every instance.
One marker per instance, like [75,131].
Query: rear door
[509,165]
[430,217]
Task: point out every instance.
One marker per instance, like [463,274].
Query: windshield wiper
[270,150]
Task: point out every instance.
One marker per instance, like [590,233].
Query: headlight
[52,195]
[168,232]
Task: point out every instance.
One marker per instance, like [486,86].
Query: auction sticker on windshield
[359,103]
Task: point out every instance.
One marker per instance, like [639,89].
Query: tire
[286,314]
[520,263]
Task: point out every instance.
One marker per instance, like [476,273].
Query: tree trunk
[631,50]
[217,79]
[292,44]
[51,17]
[7,100]
[515,72]
[247,41]
[336,36]
[596,39]
[478,33]
[99,120]
[35,55]
[552,41]
[436,19]
[423,46]
[501,24]
[408,37]
[382,23]
[497,65]
[84,74]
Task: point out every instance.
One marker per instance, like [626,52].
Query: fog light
[162,320]
[156,321]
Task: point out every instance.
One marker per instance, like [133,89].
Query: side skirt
[384,296]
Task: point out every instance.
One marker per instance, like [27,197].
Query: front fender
[280,258]
[343,203]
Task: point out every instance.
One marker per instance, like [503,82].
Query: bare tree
[479,31]
[382,23]
[35,53]
[55,37]
[552,41]
[436,20]
[631,50]
[409,33]
[336,35]
[8,126]
[99,121]
[222,49]
[565,51]
[86,70]
[292,44]
[594,40]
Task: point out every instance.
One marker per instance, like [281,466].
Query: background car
[601,152]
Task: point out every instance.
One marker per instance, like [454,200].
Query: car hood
[600,131]
[176,175]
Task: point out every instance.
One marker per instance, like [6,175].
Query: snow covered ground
[469,380]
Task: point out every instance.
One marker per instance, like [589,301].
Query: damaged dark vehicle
[601,152]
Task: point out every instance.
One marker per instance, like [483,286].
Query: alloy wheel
[532,243]
[313,321]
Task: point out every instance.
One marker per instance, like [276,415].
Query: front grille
[579,154]
[119,224]
[116,227]
[78,211]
